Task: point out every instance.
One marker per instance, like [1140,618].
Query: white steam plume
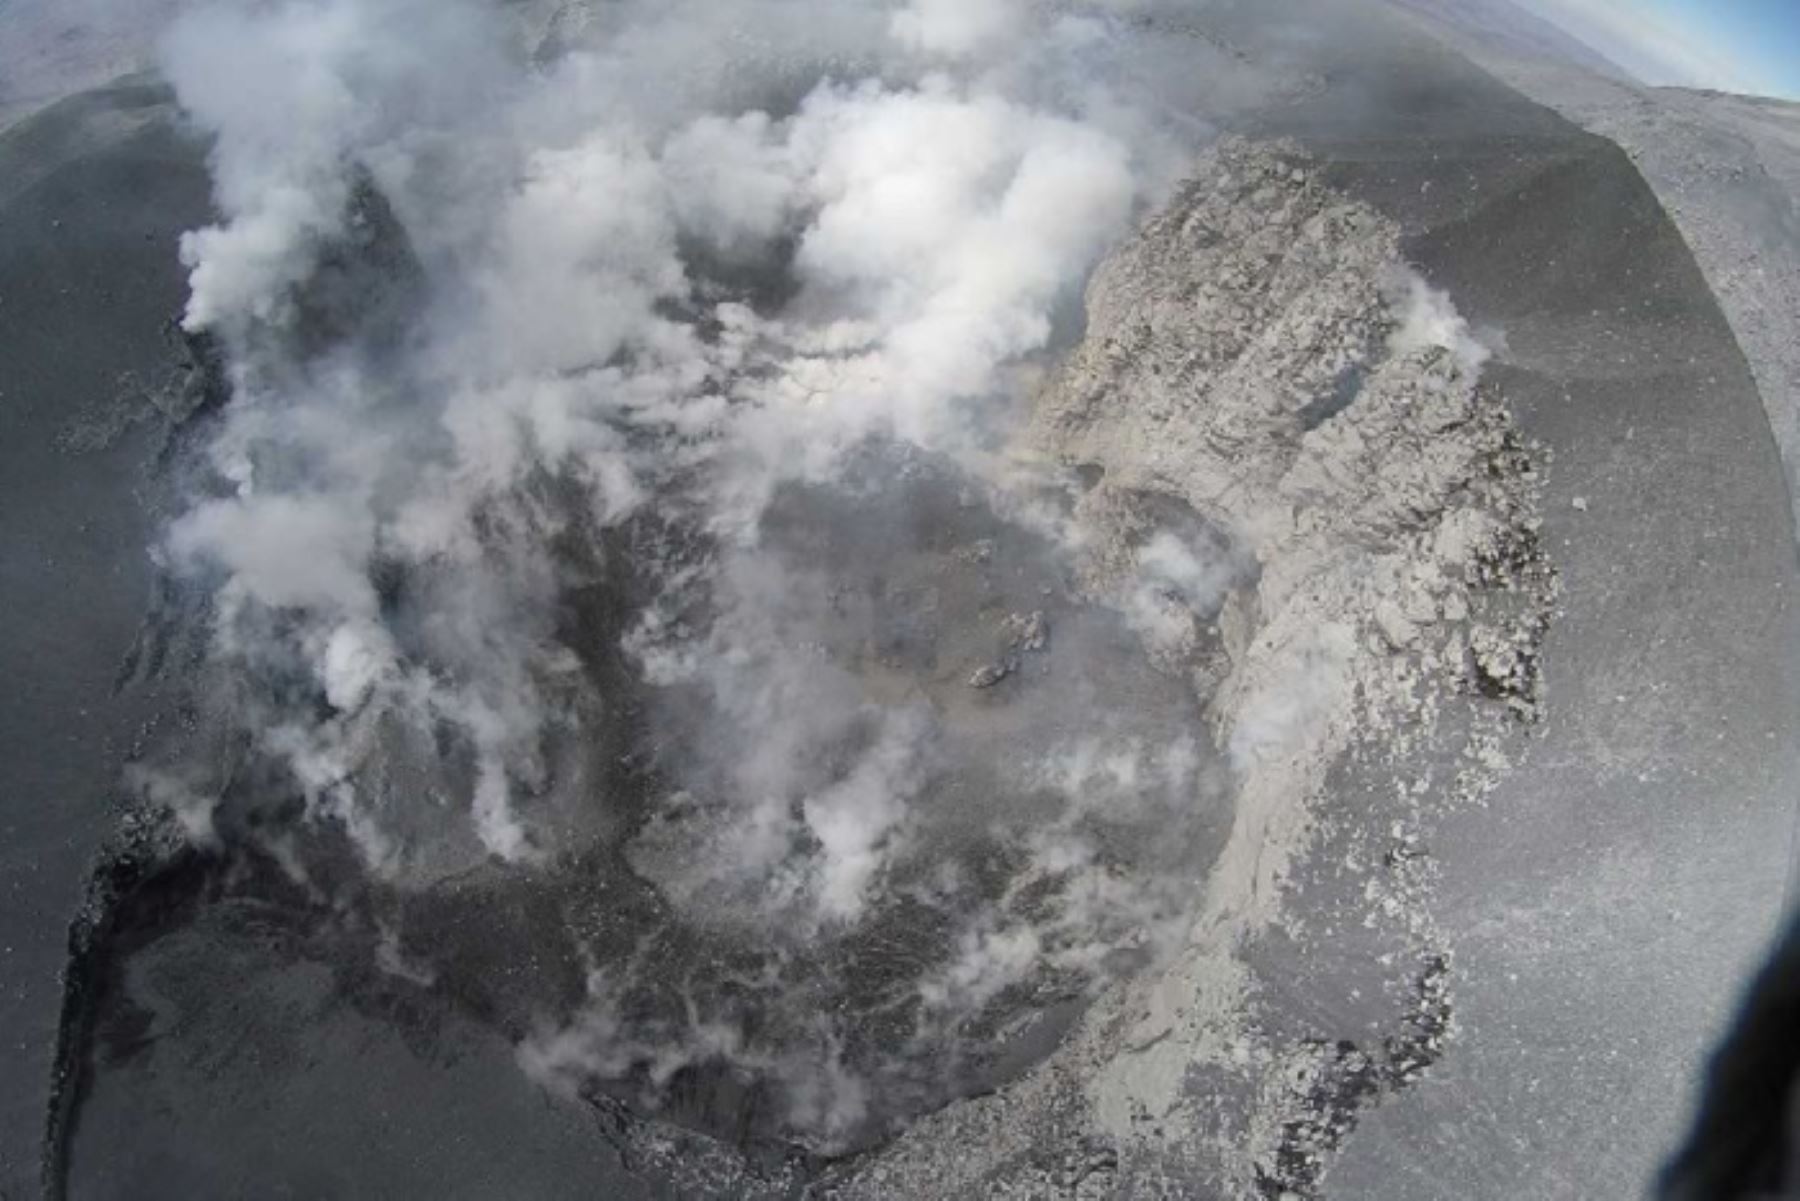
[640,275]
[934,217]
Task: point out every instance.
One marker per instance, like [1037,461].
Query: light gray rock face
[1388,613]
[1640,846]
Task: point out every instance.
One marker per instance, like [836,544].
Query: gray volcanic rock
[1639,847]
[1294,508]
[1410,508]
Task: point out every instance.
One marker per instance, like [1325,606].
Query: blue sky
[1735,45]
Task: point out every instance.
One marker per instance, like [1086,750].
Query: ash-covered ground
[1726,167]
[788,598]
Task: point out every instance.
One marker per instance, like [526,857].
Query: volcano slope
[1287,827]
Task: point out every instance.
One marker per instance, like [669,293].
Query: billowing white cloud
[699,258]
